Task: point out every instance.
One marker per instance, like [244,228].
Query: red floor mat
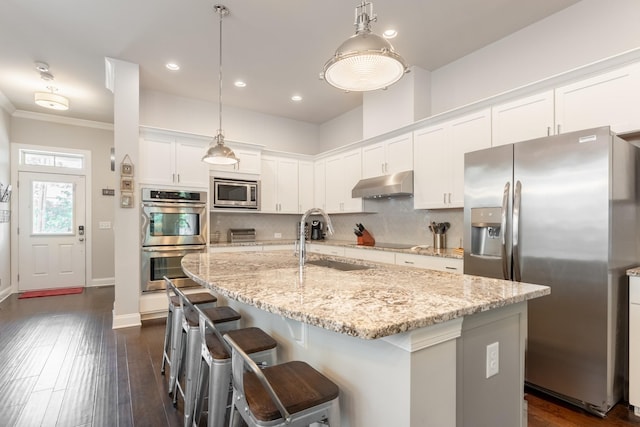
[51,292]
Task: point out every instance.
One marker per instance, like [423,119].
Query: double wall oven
[173,224]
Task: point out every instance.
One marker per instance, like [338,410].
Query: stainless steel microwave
[235,193]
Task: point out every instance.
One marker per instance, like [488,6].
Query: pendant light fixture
[218,153]
[365,61]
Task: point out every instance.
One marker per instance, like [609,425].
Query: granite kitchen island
[406,346]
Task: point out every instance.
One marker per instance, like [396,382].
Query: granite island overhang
[388,335]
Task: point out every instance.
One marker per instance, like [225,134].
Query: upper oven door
[174,224]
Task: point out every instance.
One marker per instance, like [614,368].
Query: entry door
[51,236]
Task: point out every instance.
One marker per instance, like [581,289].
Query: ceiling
[278,47]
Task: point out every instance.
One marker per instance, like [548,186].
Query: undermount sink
[338,265]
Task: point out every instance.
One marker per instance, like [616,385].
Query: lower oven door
[160,261]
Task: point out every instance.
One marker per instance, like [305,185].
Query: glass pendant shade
[365,61]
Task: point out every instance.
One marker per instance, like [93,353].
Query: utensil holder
[439,241]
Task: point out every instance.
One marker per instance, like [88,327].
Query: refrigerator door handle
[517,198]
[503,227]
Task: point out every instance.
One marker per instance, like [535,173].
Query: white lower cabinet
[371,255]
[325,249]
[450,265]
[634,343]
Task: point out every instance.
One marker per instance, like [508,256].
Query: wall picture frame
[126,200]
[126,169]
[126,184]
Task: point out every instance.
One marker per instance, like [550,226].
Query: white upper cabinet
[249,161]
[607,99]
[173,160]
[306,185]
[319,185]
[388,157]
[439,159]
[279,185]
[342,173]
[523,119]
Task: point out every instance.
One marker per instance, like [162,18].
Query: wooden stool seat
[252,340]
[216,314]
[196,298]
[298,385]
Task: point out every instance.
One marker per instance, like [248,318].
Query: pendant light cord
[221,11]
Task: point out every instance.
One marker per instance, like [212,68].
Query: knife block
[366,239]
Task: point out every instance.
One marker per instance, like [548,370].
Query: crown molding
[6,105]
[62,120]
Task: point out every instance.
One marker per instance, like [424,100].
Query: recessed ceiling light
[389,34]
[172,66]
[296,98]
[239,83]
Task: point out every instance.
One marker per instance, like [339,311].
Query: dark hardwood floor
[62,365]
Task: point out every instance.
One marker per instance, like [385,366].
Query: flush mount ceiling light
[365,61]
[218,153]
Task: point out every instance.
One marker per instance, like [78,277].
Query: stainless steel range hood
[397,184]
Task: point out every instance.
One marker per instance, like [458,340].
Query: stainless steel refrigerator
[561,211]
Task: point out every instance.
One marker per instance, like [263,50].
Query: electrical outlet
[277,235]
[493,359]
[104,225]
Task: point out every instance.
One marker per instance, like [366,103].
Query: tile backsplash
[391,220]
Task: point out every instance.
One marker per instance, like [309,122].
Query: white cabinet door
[279,185]
[288,186]
[439,159]
[269,185]
[157,162]
[352,173]
[469,133]
[306,186]
[342,173]
[172,159]
[634,341]
[387,157]
[523,119]
[610,99]
[191,171]
[319,185]
[450,265]
[373,160]
[431,167]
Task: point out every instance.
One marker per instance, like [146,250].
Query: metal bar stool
[185,364]
[172,328]
[215,365]
[291,394]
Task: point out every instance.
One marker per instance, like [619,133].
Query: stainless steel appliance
[317,230]
[239,235]
[174,223]
[561,211]
[235,193]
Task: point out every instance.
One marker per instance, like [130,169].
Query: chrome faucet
[301,237]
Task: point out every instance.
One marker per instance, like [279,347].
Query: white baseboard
[105,281]
[5,293]
[126,320]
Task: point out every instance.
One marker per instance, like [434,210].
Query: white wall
[5,228]
[581,34]
[189,115]
[342,130]
[99,141]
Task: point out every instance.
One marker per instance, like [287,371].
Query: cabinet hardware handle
[409,262]
[178,177]
[548,130]
[444,198]
[450,268]
[558,129]
[173,177]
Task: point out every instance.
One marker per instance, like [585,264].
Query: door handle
[517,200]
[503,227]
[81,239]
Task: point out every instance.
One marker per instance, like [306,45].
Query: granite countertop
[372,303]
[408,248]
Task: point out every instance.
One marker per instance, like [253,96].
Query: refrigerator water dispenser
[486,234]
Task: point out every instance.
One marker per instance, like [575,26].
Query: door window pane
[52,207]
